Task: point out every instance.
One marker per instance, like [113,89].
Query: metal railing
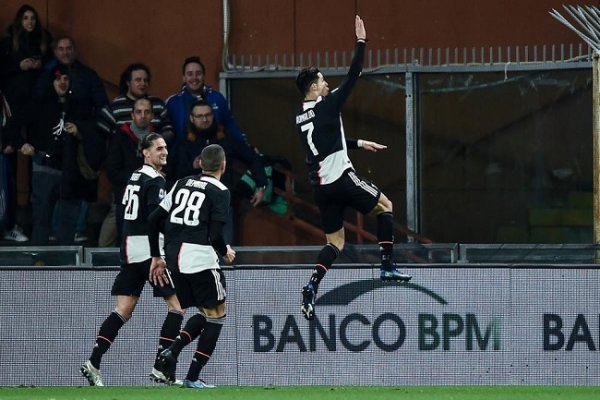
[488,58]
[430,254]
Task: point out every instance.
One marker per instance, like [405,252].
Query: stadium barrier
[476,324]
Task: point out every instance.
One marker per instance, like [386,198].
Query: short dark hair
[193,60]
[54,43]
[142,99]
[307,77]
[200,103]
[149,139]
[212,157]
[127,73]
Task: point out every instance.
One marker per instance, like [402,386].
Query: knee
[220,311]
[339,244]
[385,205]
[173,304]
[337,241]
[125,308]
[125,314]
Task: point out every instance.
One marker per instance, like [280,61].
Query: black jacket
[17,85]
[86,87]
[234,147]
[123,159]
[57,149]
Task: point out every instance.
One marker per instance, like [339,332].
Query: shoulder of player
[204,183]
[150,172]
[214,182]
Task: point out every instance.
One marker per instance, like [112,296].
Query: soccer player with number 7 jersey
[143,193]
[335,182]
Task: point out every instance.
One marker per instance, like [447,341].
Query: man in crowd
[195,89]
[134,84]
[61,140]
[124,154]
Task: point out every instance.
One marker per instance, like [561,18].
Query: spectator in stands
[22,54]
[124,155]
[86,87]
[87,90]
[205,130]
[134,84]
[62,141]
[193,90]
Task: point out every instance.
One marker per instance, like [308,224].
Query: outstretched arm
[371,146]
[365,144]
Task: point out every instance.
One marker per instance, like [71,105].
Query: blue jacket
[180,104]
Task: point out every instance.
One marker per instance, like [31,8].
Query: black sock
[193,327]
[326,257]
[385,236]
[206,345]
[170,329]
[106,335]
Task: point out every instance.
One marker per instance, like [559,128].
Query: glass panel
[507,158]
[41,256]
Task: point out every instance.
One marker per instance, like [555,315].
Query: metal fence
[501,68]
[432,254]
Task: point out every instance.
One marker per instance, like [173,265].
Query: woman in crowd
[23,52]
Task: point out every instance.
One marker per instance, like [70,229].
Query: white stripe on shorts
[362,184]
[218,284]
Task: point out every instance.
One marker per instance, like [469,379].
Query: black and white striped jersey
[319,125]
[143,193]
[192,205]
[118,112]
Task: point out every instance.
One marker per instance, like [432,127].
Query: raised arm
[342,92]
[359,27]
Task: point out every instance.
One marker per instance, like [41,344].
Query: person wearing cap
[60,132]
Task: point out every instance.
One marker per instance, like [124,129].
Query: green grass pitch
[304,393]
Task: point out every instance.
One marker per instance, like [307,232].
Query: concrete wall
[111,34]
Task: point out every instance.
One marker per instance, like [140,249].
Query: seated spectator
[62,142]
[124,155]
[194,89]
[205,130]
[23,51]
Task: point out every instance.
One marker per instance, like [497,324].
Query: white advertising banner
[449,326]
